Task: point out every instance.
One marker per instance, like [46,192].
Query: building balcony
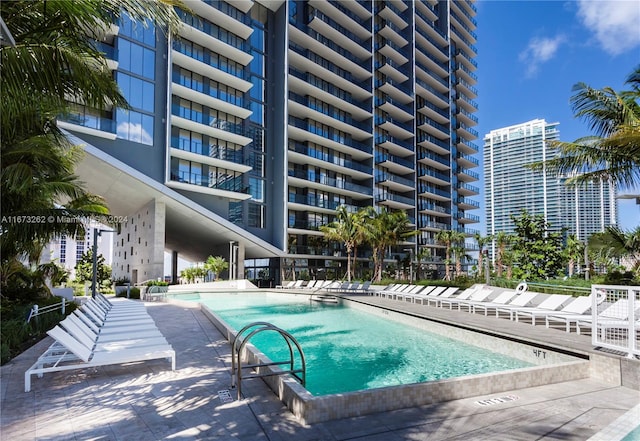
[301,129]
[306,202]
[464,16]
[467,204]
[394,182]
[432,127]
[461,41]
[430,78]
[396,145]
[465,103]
[393,51]
[236,108]
[309,179]
[467,118]
[433,209]
[441,116]
[226,187]
[465,73]
[235,78]
[429,44]
[217,129]
[210,160]
[394,201]
[465,218]
[393,13]
[465,189]
[395,164]
[343,37]
[464,29]
[433,144]
[466,132]
[395,108]
[204,39]
[350,15]
[464,58]
[427,91]
[390,31]
[325,91]
[439,68]
[392,70]
[439,162]
[395,127]
[466,147]
[466,161]
[88,124]
[224,15]
[433,176]
[306,60]
[300,153]
[466,175]
[433,192]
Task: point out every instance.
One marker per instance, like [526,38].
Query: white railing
[36,310]
[616,320]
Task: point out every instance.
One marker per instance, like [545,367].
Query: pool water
[349,350]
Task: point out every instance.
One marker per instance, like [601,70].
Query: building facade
[511,187]
[250,127]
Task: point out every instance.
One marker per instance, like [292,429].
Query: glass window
[134,126]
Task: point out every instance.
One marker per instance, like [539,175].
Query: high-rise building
[249,129]
[510,186]
[67,251]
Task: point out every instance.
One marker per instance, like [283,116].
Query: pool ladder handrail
[236,360]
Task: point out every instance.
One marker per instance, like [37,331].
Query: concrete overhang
[190,229]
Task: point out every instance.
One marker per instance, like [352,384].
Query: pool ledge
[550,368]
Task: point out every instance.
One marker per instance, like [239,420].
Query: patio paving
[147,401]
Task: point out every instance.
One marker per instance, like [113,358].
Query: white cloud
[615,24]
[134,132]
[539,50]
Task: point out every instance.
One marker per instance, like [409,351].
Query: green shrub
[157,283]
[134,293]
[16,334]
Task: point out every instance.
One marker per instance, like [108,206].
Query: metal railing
[239,343]
[615,321]
[37,311]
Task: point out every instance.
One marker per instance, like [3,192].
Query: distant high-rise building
[66,251]
[249,130]
[510,186]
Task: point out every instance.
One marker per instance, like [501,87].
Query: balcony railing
[332,182]
[90,121]
[401,142]
[328,157]
[330,135]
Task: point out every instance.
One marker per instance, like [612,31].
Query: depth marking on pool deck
[498,400]
[225,396]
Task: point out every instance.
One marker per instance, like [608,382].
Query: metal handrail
[236,361]
[36,310]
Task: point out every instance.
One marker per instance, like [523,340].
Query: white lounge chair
[439,294]
[615,312]
[521,300]
[552,303]
[67,353]
[501,299]
[477,295]
[286,286]
[581,306]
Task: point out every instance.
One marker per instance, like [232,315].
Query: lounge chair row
[102,332]
[553,308]
[328,285]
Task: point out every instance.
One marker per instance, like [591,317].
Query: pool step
[323,298]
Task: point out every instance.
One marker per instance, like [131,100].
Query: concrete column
[174,267]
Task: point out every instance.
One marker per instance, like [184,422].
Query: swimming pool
[394,375]
[348,350]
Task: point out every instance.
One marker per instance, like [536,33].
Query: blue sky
[531,53]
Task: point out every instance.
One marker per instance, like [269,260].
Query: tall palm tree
[386,229]
[482,242]
[503,240]
[574,251]
[449,238]
[345,229]
[613,152]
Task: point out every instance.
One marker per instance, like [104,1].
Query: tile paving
[146,401]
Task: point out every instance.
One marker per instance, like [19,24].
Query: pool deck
[147,401]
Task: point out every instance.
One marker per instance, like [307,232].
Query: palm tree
[503,240]
[613,152]
[215,265]
[574,251]
[482,242]
[448,238]
[385,229]
[344,229]
[616,243]
[53,62]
